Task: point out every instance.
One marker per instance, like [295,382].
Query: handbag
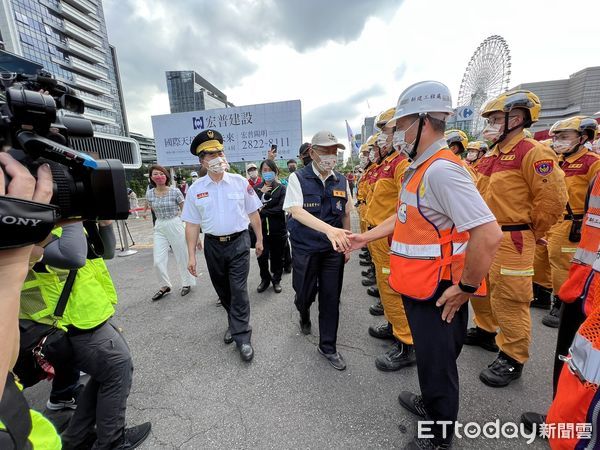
[43,346]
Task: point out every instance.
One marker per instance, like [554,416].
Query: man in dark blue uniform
[318,199]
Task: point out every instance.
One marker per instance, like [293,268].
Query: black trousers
[437,346]
[274,247]
[228,266]
[321,272]
[571,318]
[287,253]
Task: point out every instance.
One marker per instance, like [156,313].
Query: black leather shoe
[133,437]
[373,291]
[398,356]
[382,331]
[364,249]
[287,269]
[533,419]
[227,338]
[335,359]
[501,372]
[413,403]
[376,309]
[481,338]
[262,287]
[369,281]
[364,262]
[369,273]
[552,319]
[364,255]
[277,288]
[305,326]
[246,352]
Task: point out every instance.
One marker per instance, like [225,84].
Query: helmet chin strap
[413,152]
[505,132]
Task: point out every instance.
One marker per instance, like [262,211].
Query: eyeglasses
[499,120]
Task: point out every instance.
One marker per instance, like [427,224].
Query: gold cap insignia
[210,134]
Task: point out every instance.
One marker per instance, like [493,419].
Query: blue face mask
[268,176]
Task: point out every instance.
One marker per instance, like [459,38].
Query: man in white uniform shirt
[222,205]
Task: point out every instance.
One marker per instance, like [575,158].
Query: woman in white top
[167,202]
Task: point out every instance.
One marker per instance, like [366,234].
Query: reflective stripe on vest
[584,360]
[421,254]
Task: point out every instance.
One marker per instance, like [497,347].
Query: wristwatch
[466,288]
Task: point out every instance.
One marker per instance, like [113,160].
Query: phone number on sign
[262,143]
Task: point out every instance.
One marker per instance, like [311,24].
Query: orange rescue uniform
[382,205]
[525,189]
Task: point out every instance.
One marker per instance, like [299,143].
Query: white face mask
[471,156]
[218,165]
[253,174]
[563,146]
[364,160]
[492,132]
[372,155]
[399,141]
[382,141]
[327,162]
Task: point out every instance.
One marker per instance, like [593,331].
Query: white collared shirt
[294,196]
[220,208]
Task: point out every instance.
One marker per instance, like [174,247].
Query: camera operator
[20,427]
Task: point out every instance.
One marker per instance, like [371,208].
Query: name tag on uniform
[593,220]
[574,166]
[337,193]
[508,157]
[202,195]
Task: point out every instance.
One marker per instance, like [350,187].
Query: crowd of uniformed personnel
[539,193]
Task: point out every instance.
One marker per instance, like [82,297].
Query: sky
[344,59]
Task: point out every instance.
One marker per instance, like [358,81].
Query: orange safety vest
[423,255]
[581,282]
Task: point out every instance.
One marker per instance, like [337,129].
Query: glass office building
[69,39]
[188,91]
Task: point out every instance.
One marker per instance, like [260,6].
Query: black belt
[574,216]
[521,227]
[226,238]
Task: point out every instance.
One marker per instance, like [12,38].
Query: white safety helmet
[422,98]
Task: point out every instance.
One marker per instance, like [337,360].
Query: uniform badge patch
[574,166]
[250,190]
[338,205]
[543,167]
[340,193]
[402,212]
[202,195]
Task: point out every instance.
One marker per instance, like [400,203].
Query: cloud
[331,115]
[400,71]
[216,38]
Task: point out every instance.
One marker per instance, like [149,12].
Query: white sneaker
[69,404]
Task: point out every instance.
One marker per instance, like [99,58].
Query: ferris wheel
[487,75]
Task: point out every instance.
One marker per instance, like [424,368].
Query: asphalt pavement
[198,394]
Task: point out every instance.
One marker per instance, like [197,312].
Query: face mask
[292,169]
[363,161]
[372,155]
[194,179]
[471,156]
[327,162]
[306,160]
[159,179]
[399,141]
[492,132]
[268,176]
[382,141]
[563,146]
[218,165]
[253,174]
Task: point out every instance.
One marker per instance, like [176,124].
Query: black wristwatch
[468,289]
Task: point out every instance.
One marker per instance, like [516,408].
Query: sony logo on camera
[198,123]
[12,220]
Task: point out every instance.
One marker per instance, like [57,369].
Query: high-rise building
[577,95]
[69,39]
[188,91]
[368,127]
[147,147]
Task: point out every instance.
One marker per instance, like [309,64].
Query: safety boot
[541,297]
[480,337]
[501,372]
[398,356]
[376,309]
[533,419]
[373,291]
[382,331]
[552,319]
